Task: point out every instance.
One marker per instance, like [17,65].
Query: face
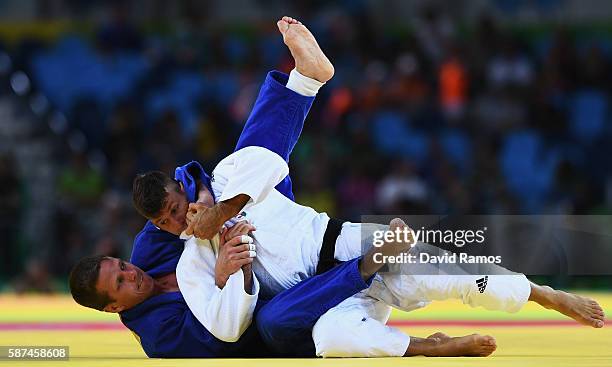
[173,216]
[127,284]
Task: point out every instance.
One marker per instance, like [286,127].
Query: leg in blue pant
[285,323]
[276,121]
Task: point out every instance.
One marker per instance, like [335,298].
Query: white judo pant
[357,327]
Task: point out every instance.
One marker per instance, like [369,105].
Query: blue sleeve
[276,121]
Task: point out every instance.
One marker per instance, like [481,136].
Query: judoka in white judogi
[288,240]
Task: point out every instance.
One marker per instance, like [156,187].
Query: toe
[598,324]
[595,304]
[489,340]
[282,26]
[600,314]
[397,222]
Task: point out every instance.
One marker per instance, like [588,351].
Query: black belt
[326,257]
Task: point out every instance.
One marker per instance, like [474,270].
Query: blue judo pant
[276,121]
[285,322]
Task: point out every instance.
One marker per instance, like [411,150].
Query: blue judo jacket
[166,328]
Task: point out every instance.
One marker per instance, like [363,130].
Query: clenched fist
[202,221]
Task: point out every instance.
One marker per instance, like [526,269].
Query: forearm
[221,280]
[227,209]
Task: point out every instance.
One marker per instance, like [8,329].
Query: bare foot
[474,345]
[584,310]
[309,59]
[442,345]
[439,336]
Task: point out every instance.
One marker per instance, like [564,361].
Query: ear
[114,308]
[181,187]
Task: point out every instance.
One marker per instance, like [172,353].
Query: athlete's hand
[238,229]
[235,253]
[202,221]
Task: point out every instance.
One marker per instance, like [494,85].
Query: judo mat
[532,337]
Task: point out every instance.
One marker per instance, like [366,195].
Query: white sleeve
[253,171]
[226,313]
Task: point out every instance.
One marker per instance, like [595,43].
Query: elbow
[230,332]
[229,336]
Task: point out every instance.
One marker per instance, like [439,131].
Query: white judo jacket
[288,238]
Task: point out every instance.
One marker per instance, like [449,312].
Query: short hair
[149,192]
[83,280]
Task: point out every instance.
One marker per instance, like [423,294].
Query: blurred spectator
[400,187]
[113,232]
[510,68]
[434,30]
[35,279]
[80,185]
[453,86]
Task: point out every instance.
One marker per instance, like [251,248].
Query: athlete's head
[162,200]
[109,284]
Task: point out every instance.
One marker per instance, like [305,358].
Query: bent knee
[269,326]
[507,293]
[362,336]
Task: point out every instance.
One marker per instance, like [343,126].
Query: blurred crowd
[429,117]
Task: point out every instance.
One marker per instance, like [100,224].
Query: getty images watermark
[493,244]
[406,235]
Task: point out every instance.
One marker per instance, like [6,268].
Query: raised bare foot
[474,345]
[584,310]
[309,59]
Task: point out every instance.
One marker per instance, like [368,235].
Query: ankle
[543,295]
[303,84]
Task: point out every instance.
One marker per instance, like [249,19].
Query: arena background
[479,107]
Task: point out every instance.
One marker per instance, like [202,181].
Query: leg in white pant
[356,328]
[410,286]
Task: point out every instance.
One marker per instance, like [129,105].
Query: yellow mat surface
[540,346]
